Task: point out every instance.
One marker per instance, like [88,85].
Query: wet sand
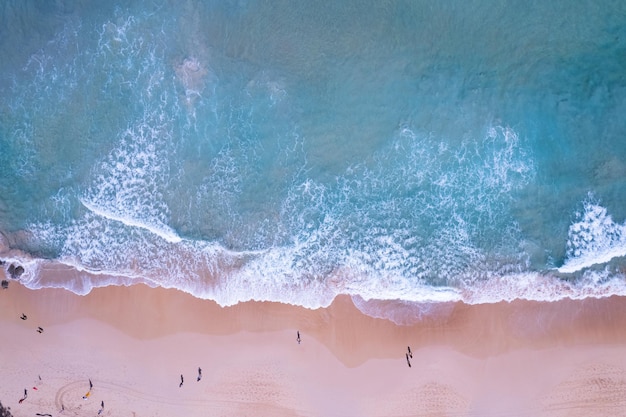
[565,358]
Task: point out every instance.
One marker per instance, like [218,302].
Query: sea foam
[593,239]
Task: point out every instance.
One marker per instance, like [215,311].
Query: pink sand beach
[565,358]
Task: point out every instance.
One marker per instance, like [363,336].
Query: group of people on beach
[408,355]
[86,396]
[26,391]
[182,379]
[25,317]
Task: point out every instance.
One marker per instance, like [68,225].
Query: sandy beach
[565,358]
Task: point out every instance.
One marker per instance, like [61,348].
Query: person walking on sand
[181,381]
[410,353]
[88,392]
[199,373]
[23,316]
[101,407]
[298,338]
[407,360]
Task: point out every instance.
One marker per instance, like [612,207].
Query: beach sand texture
[564,358]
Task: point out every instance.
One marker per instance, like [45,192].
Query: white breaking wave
[209,271]
[594,239]
[163,231]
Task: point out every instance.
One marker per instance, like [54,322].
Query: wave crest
[593,239]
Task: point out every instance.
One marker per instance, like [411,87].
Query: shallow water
[293,152]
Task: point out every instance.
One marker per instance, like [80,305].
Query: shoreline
[530,352]
[39,273]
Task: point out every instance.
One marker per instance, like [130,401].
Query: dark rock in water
[2,262]
[16,271]
[5,284]
[19,271]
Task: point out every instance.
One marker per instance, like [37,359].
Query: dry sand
[564,358]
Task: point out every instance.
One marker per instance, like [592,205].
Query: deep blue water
[293,151]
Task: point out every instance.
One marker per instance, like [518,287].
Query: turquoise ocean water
[292,151]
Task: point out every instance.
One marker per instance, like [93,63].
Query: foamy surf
[593,239]
[393,304]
